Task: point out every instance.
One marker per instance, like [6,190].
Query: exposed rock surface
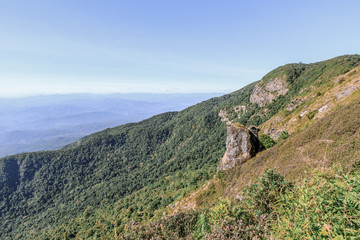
[325,108]
[277,134]
[224,118]
[303,113]
[241,145]
[346,92]
[261,97]
[270,91]
[274,133]
[294,104]
[240,108]
[277,84]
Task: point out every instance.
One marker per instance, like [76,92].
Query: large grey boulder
[241,145]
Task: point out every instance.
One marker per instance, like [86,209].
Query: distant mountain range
[51,122]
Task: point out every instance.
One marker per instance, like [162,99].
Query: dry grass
[330,140]
[327,98]
[333,139]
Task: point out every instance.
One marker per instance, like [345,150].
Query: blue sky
[68,46]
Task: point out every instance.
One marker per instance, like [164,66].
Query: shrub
[284,135]
[220,174]
[261,196]
[178,226]
[326,207]
[341,80]
[252,217]
[202,227]
[267,141]
[312,114]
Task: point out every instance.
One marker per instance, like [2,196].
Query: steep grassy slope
[324,207]
[334,139]
[134,171]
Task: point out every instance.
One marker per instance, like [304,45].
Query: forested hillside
[50,122]
[134,171]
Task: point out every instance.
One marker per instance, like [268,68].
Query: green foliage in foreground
[267,141]
[284,135]
[325,207]
[251,214]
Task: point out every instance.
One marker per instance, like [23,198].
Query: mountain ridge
[77,114]
[172,154]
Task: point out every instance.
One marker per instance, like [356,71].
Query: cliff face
[272,90]
[241,145]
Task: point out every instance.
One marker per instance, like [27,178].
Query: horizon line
[18,96]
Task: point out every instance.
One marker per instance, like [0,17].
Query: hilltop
[166,165]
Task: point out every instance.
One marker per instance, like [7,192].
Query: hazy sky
[50,46]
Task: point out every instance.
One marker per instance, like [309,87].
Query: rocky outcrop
[295,103]
[271,90]
[239,110]
[224,116]
[241,145]
[346,92]
[325,108]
